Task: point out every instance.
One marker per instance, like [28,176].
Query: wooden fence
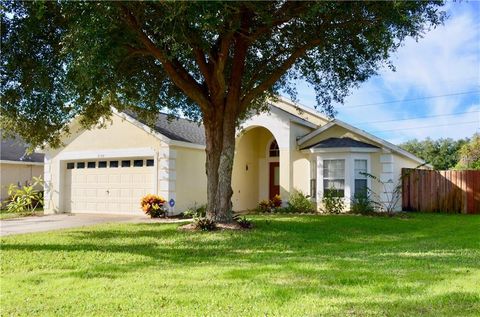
[441,191]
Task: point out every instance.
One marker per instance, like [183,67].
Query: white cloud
[445,61]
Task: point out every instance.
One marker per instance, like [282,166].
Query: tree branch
[238,63]
[177,73]
[288,11]
[275,75]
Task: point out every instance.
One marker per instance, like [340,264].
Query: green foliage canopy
[470,154]
[63,59]
[442,154]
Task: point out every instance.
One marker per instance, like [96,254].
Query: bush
[276,201]
[332,203]
[362,205]
[195,212]
[264,206]
[154,206]
[272,205]
[300,203]
[243,222]
[205,224]
[26,198]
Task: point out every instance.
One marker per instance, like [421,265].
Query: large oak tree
[216,62]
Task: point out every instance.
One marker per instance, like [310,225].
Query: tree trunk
[220,150]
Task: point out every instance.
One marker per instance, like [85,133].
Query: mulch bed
[220,226]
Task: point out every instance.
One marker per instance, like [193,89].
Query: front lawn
[426,265]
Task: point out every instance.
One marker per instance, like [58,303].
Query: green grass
[426,265]
[4,214]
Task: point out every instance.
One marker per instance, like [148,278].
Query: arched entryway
[256,168]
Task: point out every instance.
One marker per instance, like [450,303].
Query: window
[91,165]
[102,164]
[125,163]
[70,166]
[81,165]
[150,163]
[113,164]
[313,179]
[138,163]
[274,151]
[360,178]
[334,177]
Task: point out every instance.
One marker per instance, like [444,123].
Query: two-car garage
[107,185]
[108,169]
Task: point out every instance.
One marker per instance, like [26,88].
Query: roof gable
[361,133]
[340,143]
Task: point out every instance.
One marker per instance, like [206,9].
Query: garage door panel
[115,190]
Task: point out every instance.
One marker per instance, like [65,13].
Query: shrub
[195,212]
[332,203]
[205,224]
[154,205]
[26,198]
[362,205]
[272,205]
[300,203]
[243,222]
[264,206]
[276,201]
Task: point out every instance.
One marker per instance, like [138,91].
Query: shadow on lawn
[325,256]
[275,240]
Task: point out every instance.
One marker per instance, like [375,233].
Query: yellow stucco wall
[250,186]
[300,161]
[191,179]
[117,135]
[17,174]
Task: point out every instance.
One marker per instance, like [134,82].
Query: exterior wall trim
[21,162]
[98,154]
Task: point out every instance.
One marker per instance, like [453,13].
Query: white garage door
[108,186]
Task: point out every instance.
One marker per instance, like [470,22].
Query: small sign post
[171,203]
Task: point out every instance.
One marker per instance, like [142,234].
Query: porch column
[167,174]
[285,174]
[48,186]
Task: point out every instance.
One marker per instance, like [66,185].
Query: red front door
[274,179]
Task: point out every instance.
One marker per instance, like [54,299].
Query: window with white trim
[360,171]
[334,177]
[274,151]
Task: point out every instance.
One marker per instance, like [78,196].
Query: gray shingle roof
[177,129]
[14,150]
[340,142]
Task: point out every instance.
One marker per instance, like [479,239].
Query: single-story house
[17,167]
[291,147]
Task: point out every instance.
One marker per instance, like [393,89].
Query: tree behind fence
[441,191]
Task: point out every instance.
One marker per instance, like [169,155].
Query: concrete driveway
[61,221]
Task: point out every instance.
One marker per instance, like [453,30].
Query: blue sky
[446,61]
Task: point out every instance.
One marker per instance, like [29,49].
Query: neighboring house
[16,167]
[289,148]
